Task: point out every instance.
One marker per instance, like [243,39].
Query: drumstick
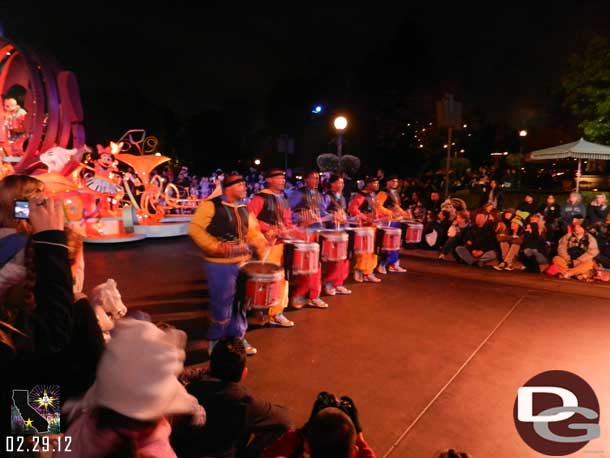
[269,248]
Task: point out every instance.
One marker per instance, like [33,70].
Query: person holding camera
[333,430]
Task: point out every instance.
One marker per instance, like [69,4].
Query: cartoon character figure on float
[105,178]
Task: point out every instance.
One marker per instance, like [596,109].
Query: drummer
[335,206]
[271,209]
[224,230]
[363,207]
[389,207]
[307,213]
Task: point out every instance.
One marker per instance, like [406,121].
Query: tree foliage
[587,90]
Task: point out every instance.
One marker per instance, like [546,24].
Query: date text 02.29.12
[38,443]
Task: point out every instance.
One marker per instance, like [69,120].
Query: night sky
[214,81]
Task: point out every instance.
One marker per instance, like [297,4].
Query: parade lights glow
[257,162]
[317,109]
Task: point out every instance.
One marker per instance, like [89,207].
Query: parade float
[111,193]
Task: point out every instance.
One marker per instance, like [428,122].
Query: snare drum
[364,240]
[390,241]
[334,245]
[305,258]
[264,284]
[414,232]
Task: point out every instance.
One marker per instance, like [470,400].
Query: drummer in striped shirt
[389,203]
[334,205]
[307,212]
[364,208]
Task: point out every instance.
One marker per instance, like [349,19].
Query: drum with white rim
[391,238]
[305,258]
[334,245]
[364,240]
[264,284]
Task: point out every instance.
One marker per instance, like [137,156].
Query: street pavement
[432,358]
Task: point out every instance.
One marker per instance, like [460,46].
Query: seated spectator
[233,414]
[434,203]
[492,195]
[333,430]
[455,233]
[117,417]
[552,219]
[575,254]
[435,230]
[479,243]
[528,205]
[534,245]
[598,210]
[510,243]
[602,236]
[572,209]
[416,207]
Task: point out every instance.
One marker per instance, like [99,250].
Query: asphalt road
[433,358]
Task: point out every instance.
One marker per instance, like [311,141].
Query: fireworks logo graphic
[36,411]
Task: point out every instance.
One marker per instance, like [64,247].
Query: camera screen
[22,209]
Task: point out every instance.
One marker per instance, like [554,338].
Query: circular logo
[556,413]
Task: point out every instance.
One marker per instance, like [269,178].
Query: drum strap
[288,257]
[240,293]
[378,241]
[350,244]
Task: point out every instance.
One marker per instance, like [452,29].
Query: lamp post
[522,135]
[340,123]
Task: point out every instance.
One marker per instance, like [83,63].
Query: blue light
[317,109]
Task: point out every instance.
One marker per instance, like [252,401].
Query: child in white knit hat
[136,388]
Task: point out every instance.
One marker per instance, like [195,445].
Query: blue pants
[389,258]
[225,319]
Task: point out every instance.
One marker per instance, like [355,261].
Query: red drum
[414,232]
[264,284]
[391,238]
[334,245]
[305,258]
[364,240]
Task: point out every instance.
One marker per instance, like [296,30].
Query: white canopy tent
[580,150]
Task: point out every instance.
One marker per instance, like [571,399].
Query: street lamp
[340,123]
[522,134]
[257,162]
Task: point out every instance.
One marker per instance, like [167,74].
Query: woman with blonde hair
[574,208]
[38,320]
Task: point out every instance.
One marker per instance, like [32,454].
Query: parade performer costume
[106,177]
[307,212]
[13,134]
[223,228]
[271,209]
[389,206]
[334,205]
[363,207]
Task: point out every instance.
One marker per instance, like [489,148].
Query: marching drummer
[389,206]
[271,209]
[307,212]
[335,206]
[224,230]
[363,207]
